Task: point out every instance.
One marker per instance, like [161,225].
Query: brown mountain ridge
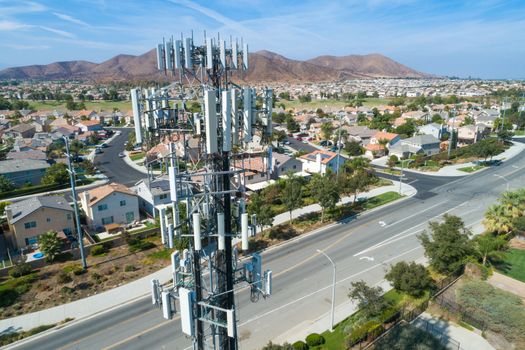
[265,66]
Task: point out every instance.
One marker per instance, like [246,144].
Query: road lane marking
[123,341]
[327,287]
[397,237]
[369,258]
[419,213]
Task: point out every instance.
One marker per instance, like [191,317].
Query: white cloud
[20,7]
[71,19]
[10,25]
[28,47]
[58,32]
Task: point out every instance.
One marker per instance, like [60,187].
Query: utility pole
[451,138]
[339,145]
[71,172]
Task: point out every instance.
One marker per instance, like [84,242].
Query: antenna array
[207,208]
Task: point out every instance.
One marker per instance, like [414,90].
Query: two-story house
[319,161]
[152,193]
[380,143]
[29,218]
[426,145]
[110,204]
[23,171]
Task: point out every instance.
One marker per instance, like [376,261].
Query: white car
[121,154]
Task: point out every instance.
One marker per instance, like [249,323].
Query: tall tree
[5,184]
[56,174]
[489,246]
[327,129]
[262,210]
[325,192]
[448,244]
[292,194]
[410,278]
[370,300]
[501,217]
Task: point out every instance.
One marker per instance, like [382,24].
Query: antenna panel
[197,244]
[244,231]
[186,311]
[167,306]
[209,54]
[178,54]
[160,57]
[169,55]
[235,56]
[223,52]
[245,57]
[226,121]
[136,114]
[235,116]
[221,231]
[248,114]
[210,109]
[188,52]
[172,175]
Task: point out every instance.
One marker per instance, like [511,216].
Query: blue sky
[480,38]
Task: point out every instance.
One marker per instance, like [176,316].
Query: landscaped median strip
[8,338]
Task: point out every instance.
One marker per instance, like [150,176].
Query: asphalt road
[114,167]
[362,248]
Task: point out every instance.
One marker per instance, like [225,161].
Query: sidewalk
[406,190]
[452,170]
[508,284]
[136,166]
[88,306]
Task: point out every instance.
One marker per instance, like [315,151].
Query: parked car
[286,142]
[299,138]
[98,150]
[121,154]
[104,145]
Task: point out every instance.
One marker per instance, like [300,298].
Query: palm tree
[497,219]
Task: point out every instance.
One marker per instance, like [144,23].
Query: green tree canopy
[56,174]
[448,244]
[370,300]
[50,245]
[325,192]
[410,278]
[292,193]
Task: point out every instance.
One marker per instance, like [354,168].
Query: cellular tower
[203,107]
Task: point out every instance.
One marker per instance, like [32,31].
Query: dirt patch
[64,282]
[518,243]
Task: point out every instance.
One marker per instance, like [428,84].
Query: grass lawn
[381,199]
[519,132]
[336,340]
[137,156]
[389,171]
[513,264]
[95,105]
[471,169]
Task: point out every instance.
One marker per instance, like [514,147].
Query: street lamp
[333,288]
[401,176]
[339,144]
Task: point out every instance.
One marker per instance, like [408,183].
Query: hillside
[264,66]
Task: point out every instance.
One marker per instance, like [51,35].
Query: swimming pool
[38,255]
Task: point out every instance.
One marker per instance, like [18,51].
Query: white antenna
[244,231]
[188,53]
[222,44]
[209,53]
[197,231]
[160,57]
[210,113]
[235,55]
[178,54]
[220,231]
[226,121]
[248,114]
[245,56]
[169,55]
[136,115]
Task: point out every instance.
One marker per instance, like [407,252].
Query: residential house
[23,171]
[361,134]
[152,193]
[255,172]
[24,131]
[29,218]
[420,144]
[469,134]
[110,204]
[29,154]
[283,164]
[380,143]
[319,161]
[89,125]
[417,115]
[434,129]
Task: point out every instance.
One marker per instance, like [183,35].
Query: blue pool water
[38,255]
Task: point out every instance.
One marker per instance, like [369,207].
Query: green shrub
[98,250]
[300,345]
[76,269]
[130,268]
[314,339]
[360,332]
[96,278]
[63,277]
[66,290]
[20,270]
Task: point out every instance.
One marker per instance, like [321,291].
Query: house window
[108,220]
[122,203]
[163,196]
[295,166]
[262,175]
[250,177]
[282,169]
[48,219]
[68,216]
[31,224]
[130,217]
[102,207]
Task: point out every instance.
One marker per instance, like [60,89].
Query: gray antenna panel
[235,116]
[178,54]
[209,54]
[210,111]
[136,115]
[188,51]
[245,57]
[234,55]
[169,55]
[160,57]
[248,112]
[226,121]
[223,52]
